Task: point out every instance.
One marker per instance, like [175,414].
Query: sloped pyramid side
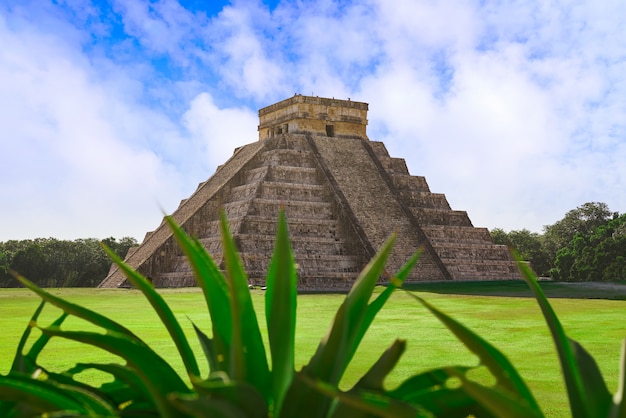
[155,251]
[467,252]
[343,197]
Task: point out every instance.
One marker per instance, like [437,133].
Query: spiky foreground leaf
[45,396]
[363,401]
[162,309]
[77,310]
[216,295]
[576,363]
[156,375]
[248,358]
[619,401]
[338,346]
[507,377]
[280,311]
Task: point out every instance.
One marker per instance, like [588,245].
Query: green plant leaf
[280,311]
[19,362]
[157,376]
[126,386]
[582,403]
[500,403]
[77,310]
[27,363]
[30,359]
[619,403]
[376,305]
[432,391]
[335,351]
[424,382]
[162,309]
[205,407]
[505,373]
[245,396]
[38,395]
[208,348]
[215,290]
[248,358]
[373,379]
[598,395]
[370,402]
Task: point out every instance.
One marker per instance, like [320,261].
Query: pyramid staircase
[283,173]
[343,196]
[467,252]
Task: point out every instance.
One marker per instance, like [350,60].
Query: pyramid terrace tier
[343,196]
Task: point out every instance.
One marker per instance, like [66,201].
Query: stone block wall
[343,196]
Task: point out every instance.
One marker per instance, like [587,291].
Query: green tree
[583,220]
[120,247]
[529,245]
[500,237]
[599,256]
[31,262]
[58,263]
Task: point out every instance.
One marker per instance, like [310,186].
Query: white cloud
[219,130]
[243,59]
[514,110]
[68,171]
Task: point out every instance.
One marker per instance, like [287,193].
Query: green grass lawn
[500,312]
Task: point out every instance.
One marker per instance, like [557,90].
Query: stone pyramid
[343,196]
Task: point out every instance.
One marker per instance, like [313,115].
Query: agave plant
[241,382]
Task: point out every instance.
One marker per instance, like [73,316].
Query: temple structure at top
[315,115]
[343,195]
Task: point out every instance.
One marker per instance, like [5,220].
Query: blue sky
[114,111]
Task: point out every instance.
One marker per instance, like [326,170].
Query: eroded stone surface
[343,196]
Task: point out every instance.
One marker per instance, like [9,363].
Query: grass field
[500,312]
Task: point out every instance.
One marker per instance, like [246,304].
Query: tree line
[588,244]
[50,262]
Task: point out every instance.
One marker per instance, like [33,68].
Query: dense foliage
[56,263]
[588,244]
[596,256]
[241,382]
[529,245]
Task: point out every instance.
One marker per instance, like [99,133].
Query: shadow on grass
[514,288]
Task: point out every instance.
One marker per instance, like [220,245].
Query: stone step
[255,174]
[306,264]
[427,217]
[309,246]
[236,210]
[325,282]
[322,228]
[279,191]
[394,166]
[408,182]
[482,270]
[444,234]
[284,191]
[293,209]
[301,175]
[420,199]
[244,192]
[339,283]
[289,158]
[379,149]
[480,252]
[176,279]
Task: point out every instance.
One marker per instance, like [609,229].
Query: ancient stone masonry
[343,196]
